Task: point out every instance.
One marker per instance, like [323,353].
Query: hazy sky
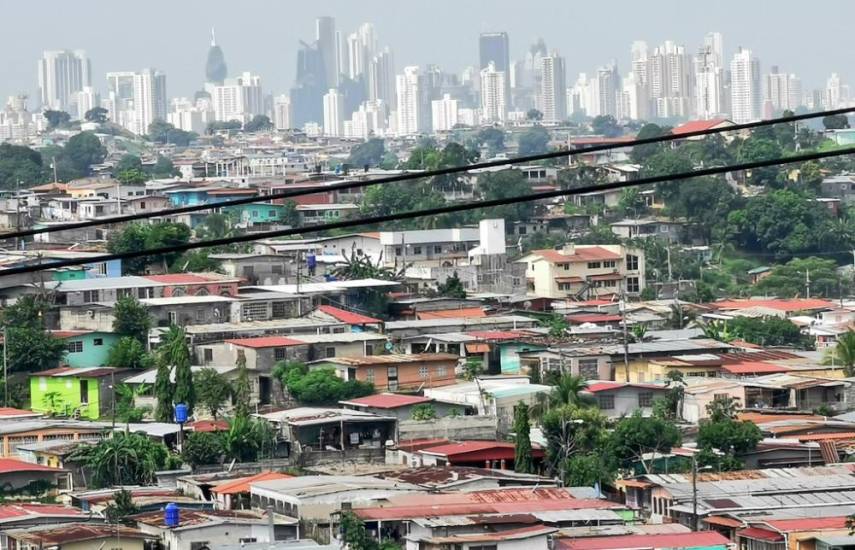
[811,40]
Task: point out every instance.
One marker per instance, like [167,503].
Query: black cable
[426,174]
[431,211]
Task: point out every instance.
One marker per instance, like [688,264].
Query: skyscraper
[710,78]
[333,115]
[553,96]
[381,77]
[412,114]
[239,98]
[325,36]
[216,70]
[282,112]
[62,74]
[608,90]
[494,47]
[670,80]
[309,86]
[777,96]
[494,107]
[745,93]
[150,99]
[836,93]
[444,113]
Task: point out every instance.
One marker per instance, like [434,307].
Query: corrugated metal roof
[677,540]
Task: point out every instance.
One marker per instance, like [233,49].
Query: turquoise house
[257,213]
[86,348]
[509,358]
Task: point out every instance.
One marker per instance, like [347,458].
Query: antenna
[213,38]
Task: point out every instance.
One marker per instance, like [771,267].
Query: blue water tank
[311,261]
[181,413]
[171,516]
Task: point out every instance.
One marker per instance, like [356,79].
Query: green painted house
[86,348]
[257,212]
[74,392]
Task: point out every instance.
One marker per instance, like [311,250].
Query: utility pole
[622,304]
[668,256]
[694,492]
[807,283]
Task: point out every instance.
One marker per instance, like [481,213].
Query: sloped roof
[348,317]
[387,401]
[241,485]
[699,125]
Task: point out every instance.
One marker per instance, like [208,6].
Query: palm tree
[568,391]
[124,459]
[639,332]
[719,330]
[680,317]
[845,352]
[358,266]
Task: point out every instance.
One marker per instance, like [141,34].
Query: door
[264,390]
[392,378]
[84,392]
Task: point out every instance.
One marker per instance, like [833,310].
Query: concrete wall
[450,427]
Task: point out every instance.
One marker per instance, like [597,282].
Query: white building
[369,120]
[444,113]
[670,81]
[239,98]
[608,90]
[710,100]
[411,113]
[190,117]
[333,116]
[87,98]
[381,77]
[745,92]
[149,100]
[282,113]
[836,93]
[63,73]
[782,92]
[553,82]
[494,107]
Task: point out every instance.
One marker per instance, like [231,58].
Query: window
[271,213]
[437,249]
[606,402]
[369,375]
[610,263]
[397,251]
[279,354]
[90,296]
[200,315]
[423,372]
[522,230]
[277,269]
[632,284]
[631,262]
[563,286]
[589,369]
[143,293]
[124,293]
[142,205]
[173,318]
[255,213]
[329,351]
[98,342]
[392,378]
[417,250]
[441,371]
[254,312]
[369,349]
[483,547]
[663,228]
[208,354]
[594,265]
[75,347]
[566,267]
[645,399]
[721,396]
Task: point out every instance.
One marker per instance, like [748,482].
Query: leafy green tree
[29,346]
[98,115]
[132,177]
[242,389]
[768,331]
[589,469]
[705,203]
[790,279]
[557,325]
[506,184]
[757,149]
[572,431]
[632,203]
[533,141]
[640,153]
[84,150]
[212,390]
[664,163]
[492,138]
[835,122]
[424,411]
[452,287]
[138,237]
[247,439]
[319,386]
[202,448]
[164,391]
[522,442]
[606,125]
[844,352]
[357,266]
[126,396]
[722,438]
[163,132]
[131,318]
[533,115]
[368,153]
[127,163]
[128,353]
[392,198]
[810,175]
[19,165]
[355,535]
[164,168]
[56,119]
[259,123]
[122,507]
[123,459]
[177,353]
[224,125]
[636,436]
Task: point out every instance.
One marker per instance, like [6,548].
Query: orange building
[396,371]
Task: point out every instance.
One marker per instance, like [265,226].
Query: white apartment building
[239,98]
[86,99]
[282,113]
[190,117]
[585,271]
[494,107]
[149,100]
[63,73]
[710,101]
[553,83]
[670,80]
[443,113]
[410,111]
[745,92]
[369,120]
[333,116]
[608,90]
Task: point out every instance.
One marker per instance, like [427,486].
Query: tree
[123,459]
[640,153]
[835,122]
[756,149]
[557,324]
[202,448]
[218,125]
[845,352]
[768,331]
[424,411]
[354,534]
[452,287]
[506,184]
[127,163]
[29,346]
[605,125]
[533,141]
[121,508]
[126,395]
[131,318]
[810,175]
[722,437]
[212,390]
[98,115]
[319,386]
[522,441]
[163,132]
[56,119]
[19,165]
[164,168]
[242,390]
[492,138]
[132,177]
[368,153]
[259,123]
[703,202]
[164,391]
[533,115]
[138,237]
[246,439]
[572,431]
[636,436]
[790,279]
[84,150]
[177,353]
[588,470]
[128,353]
[569,391]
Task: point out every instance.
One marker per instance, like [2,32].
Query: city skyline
[813,58]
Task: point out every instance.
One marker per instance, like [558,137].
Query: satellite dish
[389,346]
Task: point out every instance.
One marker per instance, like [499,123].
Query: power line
[426,174]
[432,211]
